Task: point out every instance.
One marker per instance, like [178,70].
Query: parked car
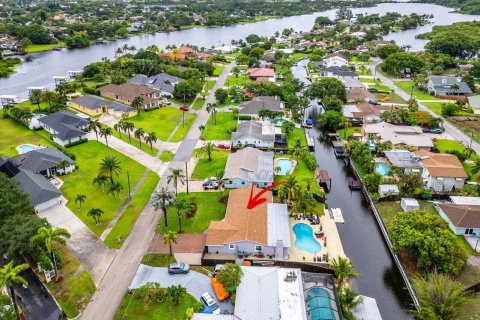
[210,184]
[436,131]
[165,101]
[375,103]
[210,303]
[178,267]
[425,130]
[232,107]
[184,108]
[223,146]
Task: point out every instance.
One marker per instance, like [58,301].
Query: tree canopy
[327,87]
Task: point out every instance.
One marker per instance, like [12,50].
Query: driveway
[195,282]
[91,251]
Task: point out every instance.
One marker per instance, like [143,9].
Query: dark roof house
[40,160]
[448,86]
[262,102]
[162,81]
[65,126]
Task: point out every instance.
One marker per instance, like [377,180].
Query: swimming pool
[285,166]
[24,148]
[318,303]
[304,238]
[382,168]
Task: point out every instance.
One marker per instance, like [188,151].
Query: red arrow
[255,201]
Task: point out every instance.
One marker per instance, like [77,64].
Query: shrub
[244,118]
[76,143]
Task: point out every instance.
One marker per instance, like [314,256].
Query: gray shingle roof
[40,159]
[65,123]
[403,159]
[252,129]
[339,71]
[262,102]
[38,188]
[95,102]
[161,81]
[250,164]
[443,84]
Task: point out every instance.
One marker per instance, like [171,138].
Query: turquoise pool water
[285,165]
[318,303]
[382,168]
[24,148]
[304,238]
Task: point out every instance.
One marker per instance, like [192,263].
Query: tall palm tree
[152,48]
[343,269]
[119,127]
[105,133]
[476,167]
[468,152]
[175,294]
[211,108]
[291,187]
[101,181]
[109,167]
[46,237]
[128,127]
[348,299]
[64,164]
[49,97]
[345,124]
[10,275]
[201,128]
[36,97]
[80,199]
[208,148]
[150,138]
[95,213]
[455,87]
[303,202]
[95,125]
[180,205]
[170,238]
[139,134]
[220,180]
[163,198]
[298,151]
[115,189]
[137,103]
[176,177]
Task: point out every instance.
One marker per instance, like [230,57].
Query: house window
[258,248]
[469,231]
[458,179]
[440,178]
[243,182]
[231,246]
[230,182]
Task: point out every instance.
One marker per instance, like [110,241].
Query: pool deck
[278,173]
[334,246]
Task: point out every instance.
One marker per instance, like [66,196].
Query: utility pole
[128,179]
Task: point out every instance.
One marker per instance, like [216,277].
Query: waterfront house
[335,60]
[363,112]
[442,172]
[337,72]
[262,230]
[252,107]
[65,127]
[261,74]
[95,106]
[162,82]
[359,94]
[126,92]
[407,162]
[397,135]
[475,201]
[254,133]
[447,86]
[351,83]
[474,103]
[462,219]
[248,165]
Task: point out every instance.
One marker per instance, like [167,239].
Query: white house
[249,165]
[335,60]
[65,127]
[462,219]
[259,134]
[447,86]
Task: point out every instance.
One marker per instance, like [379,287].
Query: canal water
[45,65]
[361,238]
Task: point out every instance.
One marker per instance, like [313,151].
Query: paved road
[451,130]
[116,280]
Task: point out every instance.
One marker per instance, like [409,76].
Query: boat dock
[337,215]
[355,185]
[339,148]
[323,179]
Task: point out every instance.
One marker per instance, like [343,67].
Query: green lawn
[443,145]
[162,121]
[43,47]
[198,104]
[297,133]
[210,84]
[297,56]
[350,132]
[34,107]
[388,209]
[183,129]
[129,216]
[208,208]
[132,141]
[12,135]
[240,81]
[417,94]
[218,70]
[158,259]
[226,124]
[89,156]
[132,308]
[167,156]
[434,106]
[204,168]
[76,288]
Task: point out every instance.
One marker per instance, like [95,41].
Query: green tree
[297,150]
[343,269]
[398,62]
[150,138]
[327,87]
[175,177]
[80,200]
[180,206]
[290,187]
[221,95]
[408,184]
[109,167]
[9,275]
[105,132]
[349,299]
[46,237]
[304,202]
[208,148]
[345,123]
[128,127]
[287,128]
[139,134]
[6,308]
[230,277]
[170,238]
[96,126]
[212,108]
[36,97]
[163,198]
[331,120]
[137,103]
[384,51]
[49,97]
[115,189]
[332,103]
[175,294]
[236,71]
[13,201]
[101,181]
[372,181]
[95,213]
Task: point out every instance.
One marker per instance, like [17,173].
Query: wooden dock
[355,185]
[339,148]
[323,179]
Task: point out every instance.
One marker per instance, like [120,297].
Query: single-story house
[358,34]
[385,190]
[262,74]
[462,219]
[351,83]
[126,92]
[95,105]
[44,161]
[162,82]
[249,165]
[405,161]
[442,172]
[356,94]
[364,112]
[335,60]
[472,201]
[397,135]
[447,86]
[474,103]
[65,127]
[252,107]
[263,229]
[256,133]
[337,72]
[409,204]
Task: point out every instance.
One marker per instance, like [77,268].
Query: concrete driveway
[195,283]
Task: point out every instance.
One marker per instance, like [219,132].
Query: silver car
[178,267]
[210,303]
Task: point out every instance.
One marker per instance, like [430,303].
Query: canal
[361,238]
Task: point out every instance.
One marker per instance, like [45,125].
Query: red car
[184,108]
[223,146]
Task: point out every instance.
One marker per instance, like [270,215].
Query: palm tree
[101,181]
[118,52]
[345,124]
[211,108]
[119,127]
[291,187]
[10,275]
[36,97]
[348,299]
[175,294]
[170,238]
[180,205]
[236,71]
[440,296]
[109,167]
[150,139]
[163,198]
[303,202]
[105,133]
[95,125]
[220,180]
[343,269]
[298,151]
[468,152]
[201,128]
[128,127]
[139,134]
[80,199]
[137,103]
[152,48]
[176,177]
[49,97]
[95,213]
[64,164]
[476,167]
[115,189]
[455,87]
[47,236]
[208,148]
